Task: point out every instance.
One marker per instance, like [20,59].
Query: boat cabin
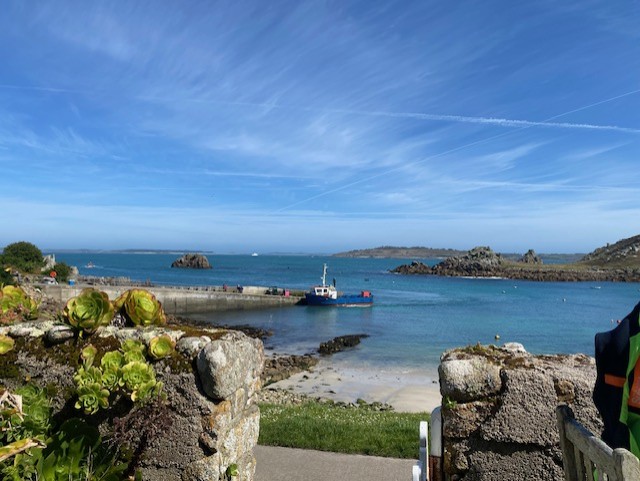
[326,291]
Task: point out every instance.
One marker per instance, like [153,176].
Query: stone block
[465,380]
[526,414]
[229,363]
[462,420]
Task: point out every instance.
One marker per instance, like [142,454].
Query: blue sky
[319,126]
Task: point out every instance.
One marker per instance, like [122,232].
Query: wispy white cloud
[314,117]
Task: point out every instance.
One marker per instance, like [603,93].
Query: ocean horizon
[414,319]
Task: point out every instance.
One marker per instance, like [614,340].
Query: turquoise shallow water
[414,319]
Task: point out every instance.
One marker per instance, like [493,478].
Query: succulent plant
[133,345]
[134,356]
[111,364]
[87,375]
[112,360]
[111,378]
[88,354]
[15,300]
[91,397]
[90,309]
[146,392]
[161,346]
[36,409]
[6,344]
[140,379]
[232,471]
[134,350]
[140,308]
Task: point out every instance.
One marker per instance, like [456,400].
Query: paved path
[288,464]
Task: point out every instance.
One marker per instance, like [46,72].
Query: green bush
[23,256]
[63,271]
[6,278]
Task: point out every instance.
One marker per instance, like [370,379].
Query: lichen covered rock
[498,419]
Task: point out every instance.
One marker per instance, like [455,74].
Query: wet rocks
[340,343]
[277,368]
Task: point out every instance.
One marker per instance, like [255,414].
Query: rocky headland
[619,262]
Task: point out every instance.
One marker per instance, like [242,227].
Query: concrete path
[288,464]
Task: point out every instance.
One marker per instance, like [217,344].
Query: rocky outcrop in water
[192,261]
[498,416]
[483,262]
[531,258]
[340,343]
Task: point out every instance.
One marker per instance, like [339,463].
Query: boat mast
[324,275]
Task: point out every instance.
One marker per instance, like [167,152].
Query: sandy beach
[406,392]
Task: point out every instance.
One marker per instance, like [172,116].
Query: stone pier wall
[498,413]
[186,301]
[209,421]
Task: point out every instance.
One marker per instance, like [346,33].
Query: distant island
[617,262]
[392,252]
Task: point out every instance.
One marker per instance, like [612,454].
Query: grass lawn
[341,429]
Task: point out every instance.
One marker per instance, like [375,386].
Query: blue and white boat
[327,295]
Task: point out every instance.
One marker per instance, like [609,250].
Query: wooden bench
[584,454]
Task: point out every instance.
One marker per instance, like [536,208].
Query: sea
[414,319]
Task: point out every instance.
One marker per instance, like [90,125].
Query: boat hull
[340,301]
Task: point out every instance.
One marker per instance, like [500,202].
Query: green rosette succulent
[161,346]
[111,378]
[138,377]
[36,410]
[140,308]
[134,350]
[92,397]
[15,299]
[134,356]
[6,344]
[133,345]
[88,354]
[146,392]
[112,360]
[89,310]
[87,375]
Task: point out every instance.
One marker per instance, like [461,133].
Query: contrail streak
[406,115]
[470,144]
[498,121]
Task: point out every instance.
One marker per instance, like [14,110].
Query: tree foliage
[63,271]
[23,256]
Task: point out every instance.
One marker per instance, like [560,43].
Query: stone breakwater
[209,421]
[184,301]
[498,414]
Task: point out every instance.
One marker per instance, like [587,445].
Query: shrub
[6,278]
[63,271]
[23,256]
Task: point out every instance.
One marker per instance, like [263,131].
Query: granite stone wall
[209,420]
[498,413]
